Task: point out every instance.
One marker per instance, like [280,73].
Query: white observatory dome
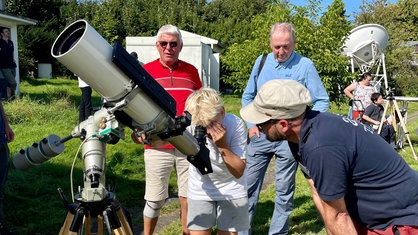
[365,43]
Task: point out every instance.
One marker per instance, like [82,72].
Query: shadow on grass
[306,221]
[414,142]
[42,82]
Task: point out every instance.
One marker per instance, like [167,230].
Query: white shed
[11,22]
[200,51]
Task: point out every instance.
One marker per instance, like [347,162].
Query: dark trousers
[388,133]
[4,168]
[3,89]
[85,109]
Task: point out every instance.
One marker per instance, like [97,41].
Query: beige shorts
[158,166]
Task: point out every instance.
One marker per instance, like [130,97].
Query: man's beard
[276,137]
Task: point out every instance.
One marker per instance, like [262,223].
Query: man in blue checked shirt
[282,63]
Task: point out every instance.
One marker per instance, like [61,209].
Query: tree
[229,20]
[75,10]
[35,41]
[325,49]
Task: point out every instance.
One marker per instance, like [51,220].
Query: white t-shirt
[82,83]
[220,184]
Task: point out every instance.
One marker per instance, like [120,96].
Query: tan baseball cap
[277,99]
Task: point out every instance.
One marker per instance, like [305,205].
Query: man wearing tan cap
[360,184]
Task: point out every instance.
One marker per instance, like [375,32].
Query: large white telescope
[365,46]
[125,85]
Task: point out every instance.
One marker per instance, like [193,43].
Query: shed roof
[216,45]
[19,20]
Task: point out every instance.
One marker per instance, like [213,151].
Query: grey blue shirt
[298,68]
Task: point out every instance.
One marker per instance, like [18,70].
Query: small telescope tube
[38,153]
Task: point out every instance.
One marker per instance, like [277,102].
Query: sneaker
[4,230]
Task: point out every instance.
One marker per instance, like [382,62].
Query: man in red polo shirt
[179,79]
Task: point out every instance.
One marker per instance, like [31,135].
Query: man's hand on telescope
[139,139]
[142,138]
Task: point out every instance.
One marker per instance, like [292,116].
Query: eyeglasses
[172,44]
[261,125]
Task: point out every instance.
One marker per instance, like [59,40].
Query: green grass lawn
[49,106]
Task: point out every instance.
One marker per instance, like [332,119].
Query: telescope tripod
[395,112]
[82,215]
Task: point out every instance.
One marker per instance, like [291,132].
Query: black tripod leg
[73,222]
[65,229]
[116,221]
[127,215]
[125,223]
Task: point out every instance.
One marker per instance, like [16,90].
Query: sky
[351,6]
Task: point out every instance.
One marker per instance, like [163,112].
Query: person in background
[179,79]
[218,198]
[6,136]
[3,88]
[373,116]
[85,109]
[7,61]
[360,185]
[360,92]
[282,63]
[135,55]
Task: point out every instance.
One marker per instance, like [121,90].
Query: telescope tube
[84,51]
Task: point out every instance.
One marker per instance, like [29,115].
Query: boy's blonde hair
[204,105]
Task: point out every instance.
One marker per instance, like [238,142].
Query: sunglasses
[172,44]
[261,125]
